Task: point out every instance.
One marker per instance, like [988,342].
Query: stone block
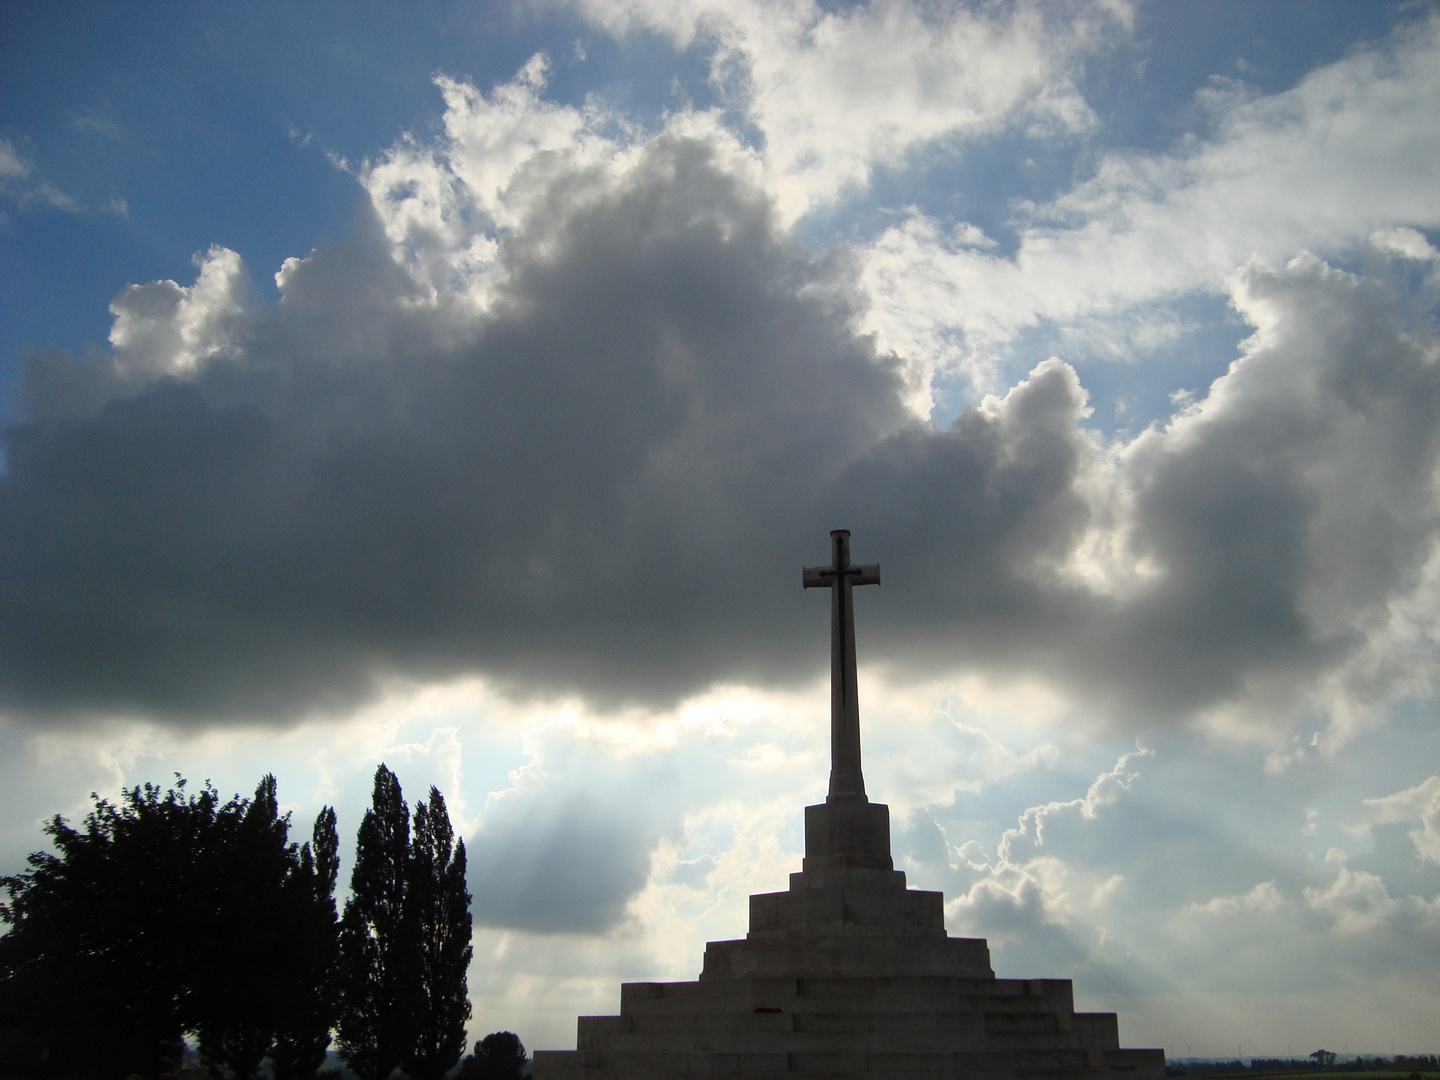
[845,835]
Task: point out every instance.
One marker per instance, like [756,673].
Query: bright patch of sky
[387,383]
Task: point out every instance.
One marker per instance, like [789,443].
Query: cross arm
[822,577]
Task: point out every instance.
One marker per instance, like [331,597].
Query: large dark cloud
[607,485]
[597,489]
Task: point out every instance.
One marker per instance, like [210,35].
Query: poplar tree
[378,970]
[310,1010]
[438,906]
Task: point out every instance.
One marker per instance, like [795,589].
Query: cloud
[1357,903]
[1317,442]
[1345,152]
[1265,898]
[835,94]
[566,410]
[568,866]
[22,186]
[368,484]
[619,823]
[1032,885]
[1421,804]
[167,329]
[1104,791]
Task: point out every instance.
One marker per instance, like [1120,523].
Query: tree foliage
[378,969]
[309,1012]
[405,940]
[172,913]
[498,1056]
[438,905]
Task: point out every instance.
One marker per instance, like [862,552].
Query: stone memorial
[848,972]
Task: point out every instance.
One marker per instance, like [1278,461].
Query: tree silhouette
[498,1056]
[438,907]
[309,1011]
[404,941]
[244,881]
[169,913]
[378,969]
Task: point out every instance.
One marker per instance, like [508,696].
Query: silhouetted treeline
[172,916]
[1321,1061]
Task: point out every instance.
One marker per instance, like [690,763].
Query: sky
[463,386]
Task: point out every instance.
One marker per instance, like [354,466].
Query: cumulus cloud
[1345,152]
[167,329]
[1029,833]
[1031,885]
[354,489]
[1265,898]
[1357,902]
[1419,805]
[835,94]
[568,407]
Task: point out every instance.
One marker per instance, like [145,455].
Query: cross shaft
[846,782]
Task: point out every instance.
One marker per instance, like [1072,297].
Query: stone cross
[846,782]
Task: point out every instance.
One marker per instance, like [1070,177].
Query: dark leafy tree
[309,1011]
[498,1056]
[248,878]
[378,971]
[99,929]
[438,907]
[163,915]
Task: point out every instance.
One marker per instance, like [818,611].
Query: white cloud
[1349,150]
[1421,804]
[1104,791]
[1028,886]
[167,329]
[835,94]
[1357,901]
[446,206]
[1265,898]
[22,185]
[1405,242]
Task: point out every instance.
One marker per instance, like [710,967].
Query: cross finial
[846,781]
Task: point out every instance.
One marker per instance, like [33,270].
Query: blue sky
[460,386]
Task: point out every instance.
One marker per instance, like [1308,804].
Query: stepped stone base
[850,973]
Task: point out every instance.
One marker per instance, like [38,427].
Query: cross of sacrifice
[846,782]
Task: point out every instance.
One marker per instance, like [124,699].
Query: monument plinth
[849,972]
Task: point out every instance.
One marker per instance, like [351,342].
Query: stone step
[1049,1065]
[911,993]
[1096,1026]
[633,1061]
[883,955]
[933,1041]
[849,1032]
[1092,1065]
